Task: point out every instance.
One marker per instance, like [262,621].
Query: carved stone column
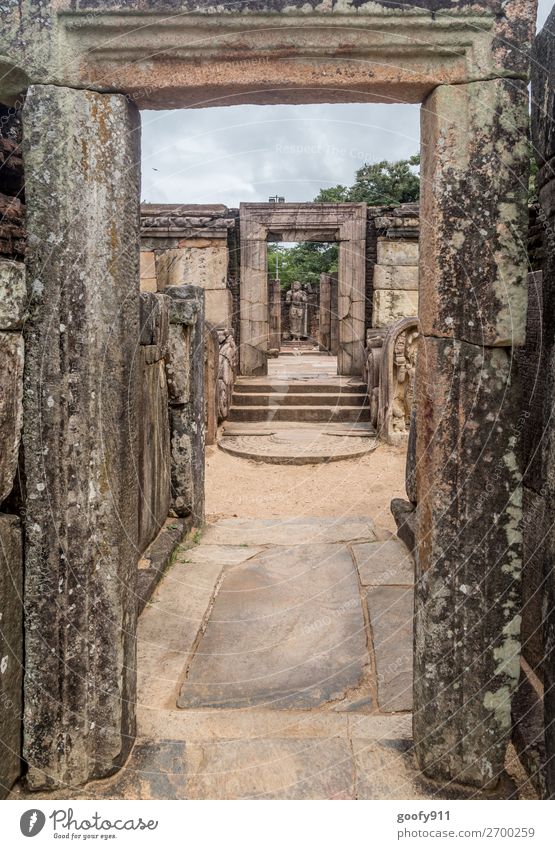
[81,398]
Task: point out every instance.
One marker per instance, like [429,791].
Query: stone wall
[13,304]
[395,275]
[154,426]
[391,263]
[188,246]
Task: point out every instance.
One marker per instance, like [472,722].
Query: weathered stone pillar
[81,396]
[472,311]
[185,373]
[543,136]
[153,465]
[274,313]
[13,301]
[351,295]
[254,302]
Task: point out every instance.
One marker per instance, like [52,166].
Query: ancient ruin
[129,334]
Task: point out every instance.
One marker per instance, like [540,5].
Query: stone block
[384,562]
[396,277]
[154,452]
[183,308]
[81,152]
[13,295]
[11,650]
[391,611]
[391,305]
[187,470]
[474,212]
[205,266]
[155,321]
[148,272]
[395,252]
[219,307]
[186,391]
[11,407]
[178,365]
[468,569]
[301,650]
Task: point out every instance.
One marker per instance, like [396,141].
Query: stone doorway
[469,69]
[343,223]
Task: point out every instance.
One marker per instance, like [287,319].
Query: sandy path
[365,486]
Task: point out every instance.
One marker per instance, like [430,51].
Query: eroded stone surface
[286,630]
[390,305]
[11,407]
[387,562]
[473,260]
[468,569]
[185,374]
[302,531]
[497,45]
[11,650]
[13,295]
[271,769]
[391,618]
[81,153]
[154,452]
[386,770]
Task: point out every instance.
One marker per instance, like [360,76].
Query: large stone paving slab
[286,631]
[296,531]
[271,769]
[391,620]
[387,770]
[387,562]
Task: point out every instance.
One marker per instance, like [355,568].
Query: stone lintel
[183,60]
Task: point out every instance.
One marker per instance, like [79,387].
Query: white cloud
[246,153]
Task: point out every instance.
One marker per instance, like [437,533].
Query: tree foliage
[379,184]
[304,261]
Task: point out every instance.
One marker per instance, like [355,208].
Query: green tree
[379,184]
[304,261]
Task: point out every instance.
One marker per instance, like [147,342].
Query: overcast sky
[247,153]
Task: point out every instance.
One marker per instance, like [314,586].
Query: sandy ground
[360,487]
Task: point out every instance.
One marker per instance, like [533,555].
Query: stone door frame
[343,223]
[468,63]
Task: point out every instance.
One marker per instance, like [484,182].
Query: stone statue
[296,301]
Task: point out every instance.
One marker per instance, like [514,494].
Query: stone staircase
[321,402]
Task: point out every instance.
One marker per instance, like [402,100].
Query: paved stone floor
[274,661]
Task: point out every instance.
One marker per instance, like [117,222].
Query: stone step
[298,414]
[304,399]
[299,387]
